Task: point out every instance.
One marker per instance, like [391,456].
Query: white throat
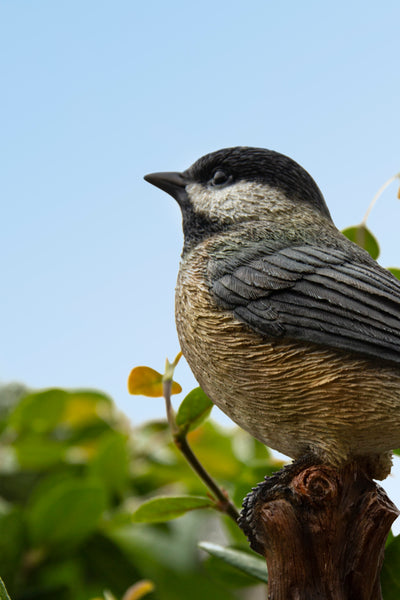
[238,201]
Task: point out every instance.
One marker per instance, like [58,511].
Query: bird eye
[220,178]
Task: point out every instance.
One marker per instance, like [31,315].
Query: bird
[290,328]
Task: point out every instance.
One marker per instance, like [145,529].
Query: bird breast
[293,396]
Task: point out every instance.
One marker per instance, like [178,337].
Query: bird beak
[171,182]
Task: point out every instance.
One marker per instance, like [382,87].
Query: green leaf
[36,452]
[111,462]
[39,412]
[362,236]
[390,575]
[165,508]
[67,513]
[3,592]
[395,271]
[248,563]
[194,409]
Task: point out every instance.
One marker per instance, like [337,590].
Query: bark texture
[321,530]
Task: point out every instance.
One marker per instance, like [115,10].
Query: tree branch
[321,530]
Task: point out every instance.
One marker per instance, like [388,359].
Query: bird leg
[322,531]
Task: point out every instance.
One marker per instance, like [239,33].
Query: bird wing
[316,294]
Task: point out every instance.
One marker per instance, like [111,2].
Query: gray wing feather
[321,295]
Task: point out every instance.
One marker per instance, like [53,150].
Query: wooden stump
[321,530]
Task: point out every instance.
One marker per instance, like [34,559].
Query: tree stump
[321,530]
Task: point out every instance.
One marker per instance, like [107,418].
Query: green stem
[225,505]
[180,440]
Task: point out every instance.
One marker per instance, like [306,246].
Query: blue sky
[97,93]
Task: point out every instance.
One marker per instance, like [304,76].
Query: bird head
[237,184]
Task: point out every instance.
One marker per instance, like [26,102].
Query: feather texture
[316,294]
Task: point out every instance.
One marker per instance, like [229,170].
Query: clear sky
[94,94]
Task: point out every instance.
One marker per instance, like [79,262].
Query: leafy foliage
[75,480]
[86,503]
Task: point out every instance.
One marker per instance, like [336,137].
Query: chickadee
[290,328]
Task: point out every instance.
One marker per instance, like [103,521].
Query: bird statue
[291,329]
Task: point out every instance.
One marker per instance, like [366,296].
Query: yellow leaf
[140,589]
[145,381]
[176,388]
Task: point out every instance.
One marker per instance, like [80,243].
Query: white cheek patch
[235,202]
